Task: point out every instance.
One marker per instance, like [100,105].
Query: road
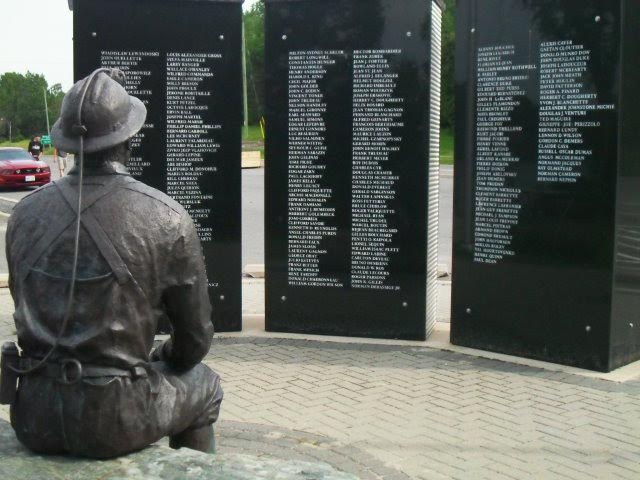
[9,197]
[253,215]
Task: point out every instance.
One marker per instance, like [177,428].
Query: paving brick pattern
[396,412]
[433,414]
[7,331]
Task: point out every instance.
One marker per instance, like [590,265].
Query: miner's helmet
[110,116]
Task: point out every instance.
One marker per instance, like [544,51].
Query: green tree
[254,33]
[448,64]
[254,42]
[55,95]
[22,102]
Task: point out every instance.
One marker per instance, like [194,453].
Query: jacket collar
[105,168]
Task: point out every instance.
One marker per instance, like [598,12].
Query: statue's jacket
[140,263]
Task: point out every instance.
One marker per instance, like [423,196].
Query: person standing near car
[35,148]
[60,157]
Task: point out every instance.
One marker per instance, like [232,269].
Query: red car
[19,169]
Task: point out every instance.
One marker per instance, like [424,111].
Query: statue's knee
[201,438]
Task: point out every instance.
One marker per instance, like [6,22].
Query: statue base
[154,462]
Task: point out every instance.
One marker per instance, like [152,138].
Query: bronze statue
[90,290]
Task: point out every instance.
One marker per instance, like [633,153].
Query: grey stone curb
[6,205]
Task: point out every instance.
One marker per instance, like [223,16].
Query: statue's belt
[70,371]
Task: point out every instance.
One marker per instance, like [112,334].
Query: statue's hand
[156,354]
[159,354]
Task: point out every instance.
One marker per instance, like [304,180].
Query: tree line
[254,41]
[22,97]
[22,105]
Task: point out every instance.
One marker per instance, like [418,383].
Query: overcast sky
[36,36]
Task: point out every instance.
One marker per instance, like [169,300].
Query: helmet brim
[69,143]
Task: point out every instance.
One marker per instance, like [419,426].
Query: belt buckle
[65,370]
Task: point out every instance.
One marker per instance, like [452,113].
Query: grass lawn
[252,134]
[24,144]
[446,147]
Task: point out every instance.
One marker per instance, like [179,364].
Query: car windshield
[14,155]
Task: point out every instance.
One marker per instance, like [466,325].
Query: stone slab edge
[256,270]
[253,325]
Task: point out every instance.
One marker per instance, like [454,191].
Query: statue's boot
[201,439]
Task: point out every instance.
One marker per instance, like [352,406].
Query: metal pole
[10,137]
[244,75]
[46,109]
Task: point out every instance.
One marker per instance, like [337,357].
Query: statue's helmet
[109,114]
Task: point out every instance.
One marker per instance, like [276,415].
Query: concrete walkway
[401,411]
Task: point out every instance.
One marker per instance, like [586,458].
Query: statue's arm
[187,300]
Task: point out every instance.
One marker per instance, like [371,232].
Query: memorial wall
[352,117]
[182,58]
[547,210]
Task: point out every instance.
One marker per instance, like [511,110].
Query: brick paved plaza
[397,412]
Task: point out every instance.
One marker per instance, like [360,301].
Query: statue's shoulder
[39,194]
[154,195]
[33,210]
